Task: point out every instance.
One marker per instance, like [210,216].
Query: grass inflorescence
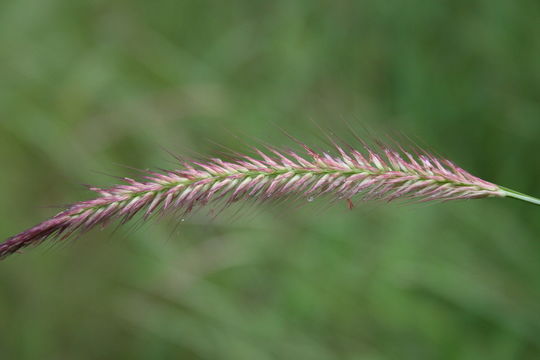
[375,173]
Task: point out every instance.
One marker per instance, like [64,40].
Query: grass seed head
[375,173]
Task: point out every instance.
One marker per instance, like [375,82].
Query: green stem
[517,195]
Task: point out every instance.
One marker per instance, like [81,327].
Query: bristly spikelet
[370,174]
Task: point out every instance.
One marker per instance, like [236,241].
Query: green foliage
[88,84]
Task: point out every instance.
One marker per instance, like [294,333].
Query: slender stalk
[517,195]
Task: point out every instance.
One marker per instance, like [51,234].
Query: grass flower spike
[375,173]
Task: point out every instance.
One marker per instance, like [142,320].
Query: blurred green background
[87,85]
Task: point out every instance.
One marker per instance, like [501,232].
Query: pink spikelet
[370,174]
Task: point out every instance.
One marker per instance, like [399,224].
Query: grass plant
[378,172]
